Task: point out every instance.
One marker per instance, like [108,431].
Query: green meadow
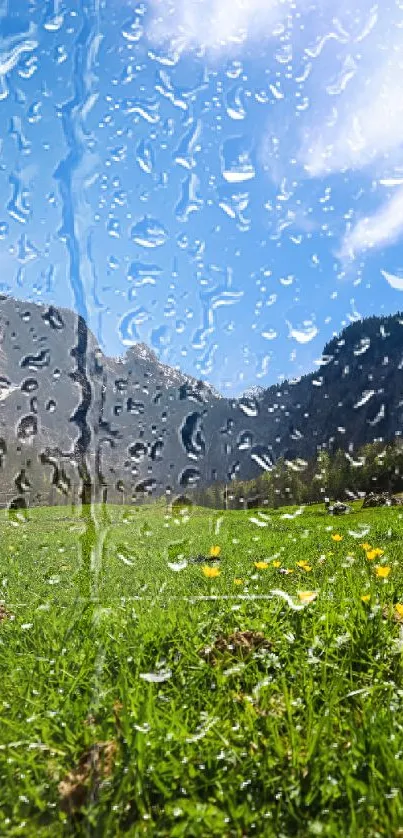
[148,691]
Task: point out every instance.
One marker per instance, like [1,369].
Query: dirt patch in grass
[94,766]
[239,644]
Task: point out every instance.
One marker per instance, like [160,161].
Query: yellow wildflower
[276,564]
[307,596]
[382,572]
[238,581]
[215,551]
[211,572]
[366,597]
[288,570]
[304,565]
[261,565]
[399,609]
[366,546]
[374,554]
[337,537]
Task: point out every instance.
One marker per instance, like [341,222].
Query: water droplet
[149,233]
[27,427]
[35,362]
[146,487]
[189,201]
[133,31]
[29,385]
[192,436]
[113,228]
[245,441]
[365,397]
[142,274]
[304,335]
[135,407]
[53,318]
[189,477]
[145,156]
[269,334]
[184,154]
[262,456]
[178,566]
[17,509]
[157,450]
[379,416]
[21,481]
[236,164]
[249,407]
[137,451]
[235,106]
[54,22]
[127,326]
[156,677]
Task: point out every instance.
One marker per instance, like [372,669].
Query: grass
[298,735]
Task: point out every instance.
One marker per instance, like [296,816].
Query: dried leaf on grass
[201,559]
[240,643]
[4,614]
[392,613]
[94,766]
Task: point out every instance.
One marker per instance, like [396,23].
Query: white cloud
[361,127]
[353,118]
[369,122]
[214,24]
[356,118]
[356,63]
[383,227]
[394,280]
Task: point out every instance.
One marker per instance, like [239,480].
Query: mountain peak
[143,351]
[254,392]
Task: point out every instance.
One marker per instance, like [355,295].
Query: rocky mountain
[133,426]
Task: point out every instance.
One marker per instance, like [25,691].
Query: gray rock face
[71,415]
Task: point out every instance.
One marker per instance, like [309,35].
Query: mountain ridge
[149,428]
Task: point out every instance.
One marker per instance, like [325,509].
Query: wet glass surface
[200,340]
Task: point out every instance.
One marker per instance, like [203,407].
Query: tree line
[342,475]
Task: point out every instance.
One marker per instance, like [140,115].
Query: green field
[140,697]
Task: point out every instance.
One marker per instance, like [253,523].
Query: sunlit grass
[298,733]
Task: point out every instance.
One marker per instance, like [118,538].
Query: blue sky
[221,179]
